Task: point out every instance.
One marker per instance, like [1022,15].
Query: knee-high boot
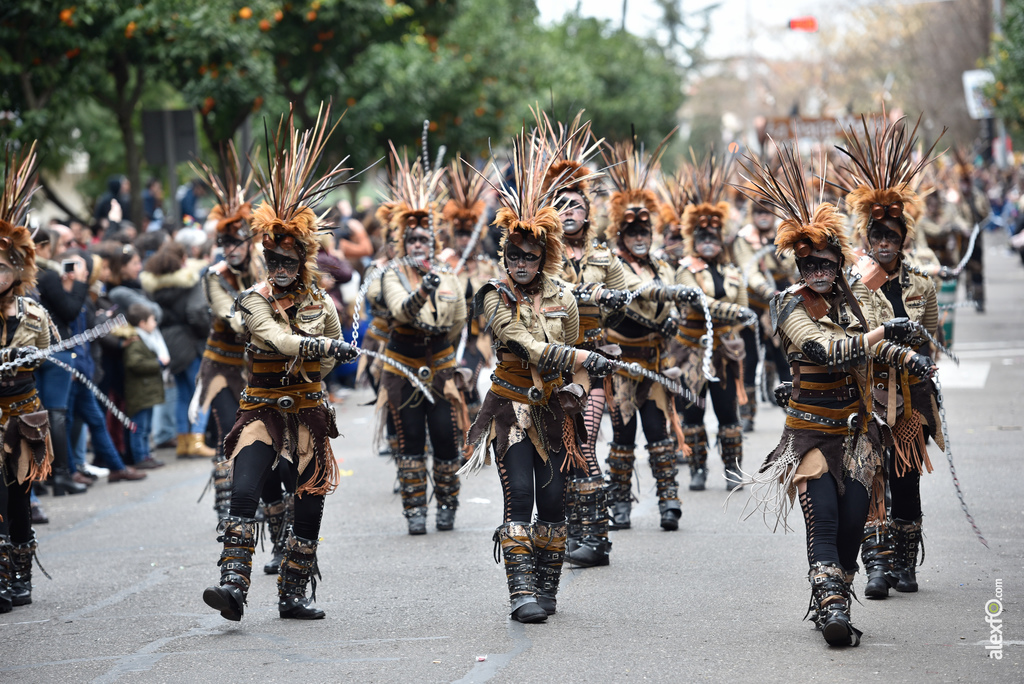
[239,538]
[7,573]
[22,555]
[830,605]
[730,441]
[297,569]
[446,491]
[548,554]
[662,458]
[412,475]
[588,544]
[906,538]
[620,477]
[748,411]
[222,472]
[60,473]
[697,439]
[513,538]
[876,552]
[280,516]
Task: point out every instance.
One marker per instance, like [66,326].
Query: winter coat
[143,381]
[186,320]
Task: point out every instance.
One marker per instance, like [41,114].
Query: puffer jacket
[186,319]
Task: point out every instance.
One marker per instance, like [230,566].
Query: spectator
[353,241]
[188,197]
[173,283]
[153,204]
[119,192]
[145,358]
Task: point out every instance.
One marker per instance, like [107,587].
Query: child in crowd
[145,358]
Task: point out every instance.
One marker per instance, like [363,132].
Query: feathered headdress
[707,209]
[20,182]
[292,191]
[807,223]
[882,167]
[465,205]
[630,168]
[233,210]
[527,204]
[570,146]
[416,196]
[675,197]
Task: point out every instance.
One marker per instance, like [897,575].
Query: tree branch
[53,197]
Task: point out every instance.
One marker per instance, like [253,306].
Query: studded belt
[850,422]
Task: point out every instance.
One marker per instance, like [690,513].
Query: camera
[67,266]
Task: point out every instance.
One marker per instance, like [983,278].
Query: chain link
[707,340]
[949,457]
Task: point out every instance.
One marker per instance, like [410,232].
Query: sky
[728,23]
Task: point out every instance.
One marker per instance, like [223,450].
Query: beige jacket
[271,329]
[554,321]
[442,312]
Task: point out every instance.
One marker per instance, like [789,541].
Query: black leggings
[411,422]
[652,418]
[723,399]
[905,491]
[525,477]
[252,468]
[835,524]
[16,509]
[223,408]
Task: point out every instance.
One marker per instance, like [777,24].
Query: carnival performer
[292,332]
[27,450]
[428,311]
[376,337]
[464,211]
[641,334]
[707,266]
[598,282]
[895,293]
[532,414]
[830,452]
[765,276]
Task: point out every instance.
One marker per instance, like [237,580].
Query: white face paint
[572,212]
[236,253]
[819,270]
[282,266]
[523,261]
[8,274]
[638,243]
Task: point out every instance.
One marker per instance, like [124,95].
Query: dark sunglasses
[633,215]
[880,211]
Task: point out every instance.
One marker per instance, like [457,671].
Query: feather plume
[465,192]
[630,168]
[675,196]
[20,184]
[414,193]
[231,191]
[571,146]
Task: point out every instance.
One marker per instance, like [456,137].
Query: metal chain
[471,245]
[372,274]
[949,457]
[759,369]
[413,376]
[103,398]
[707,340]
[636,370]
[970,250]
[70,343]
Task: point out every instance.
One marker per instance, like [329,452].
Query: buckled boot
[7,574]
[412,474]
[517,551]
[876,552]
[60,474]
[730,441]
[662,457]
[906,538]
[278,527]
[222,472]
[748,411]
[697,439]
[21,586]
[548,554]
[830,605]
[297,569]
[446,491]
[239,538]
[620,476]
[588,545]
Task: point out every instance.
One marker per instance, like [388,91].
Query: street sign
[975,80]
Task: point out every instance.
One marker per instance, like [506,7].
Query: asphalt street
[719,600]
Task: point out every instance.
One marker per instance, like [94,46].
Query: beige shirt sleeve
[332,330]
[505,327]
[221,302]
[269,330]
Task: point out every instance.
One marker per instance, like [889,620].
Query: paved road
[719,600]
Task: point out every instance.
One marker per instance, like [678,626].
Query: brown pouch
[33,427]
[571,398]
[881,399]
[733,348]
[463,377]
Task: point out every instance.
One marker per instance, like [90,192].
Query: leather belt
[851,422]
[221,352]
[285,402]
[532,394]
[840,393]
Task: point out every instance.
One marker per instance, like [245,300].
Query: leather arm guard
[840,355]
[557,357]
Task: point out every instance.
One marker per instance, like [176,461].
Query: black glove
[946,273]
[597,365]
[430,281]
[746,316]
[342,351]
[783,391]
[613,300]
[15,354]
[669,328]
[687,295]
[920,365]
[900,330]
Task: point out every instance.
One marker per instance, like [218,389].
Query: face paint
[236,252]
[884,243]
[636,237]
[707,244]
[523,264]
[573,212]
[763,221]
[819,273]
[417,243]
[282,268]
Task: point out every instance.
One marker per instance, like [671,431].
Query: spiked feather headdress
[807,223]
[465,205]
[707,209]
[20,182]
[292,189]
[527,202]
[881,165]
[630,169]
[233,210]
[675,197]
[571,146]
[416,196]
